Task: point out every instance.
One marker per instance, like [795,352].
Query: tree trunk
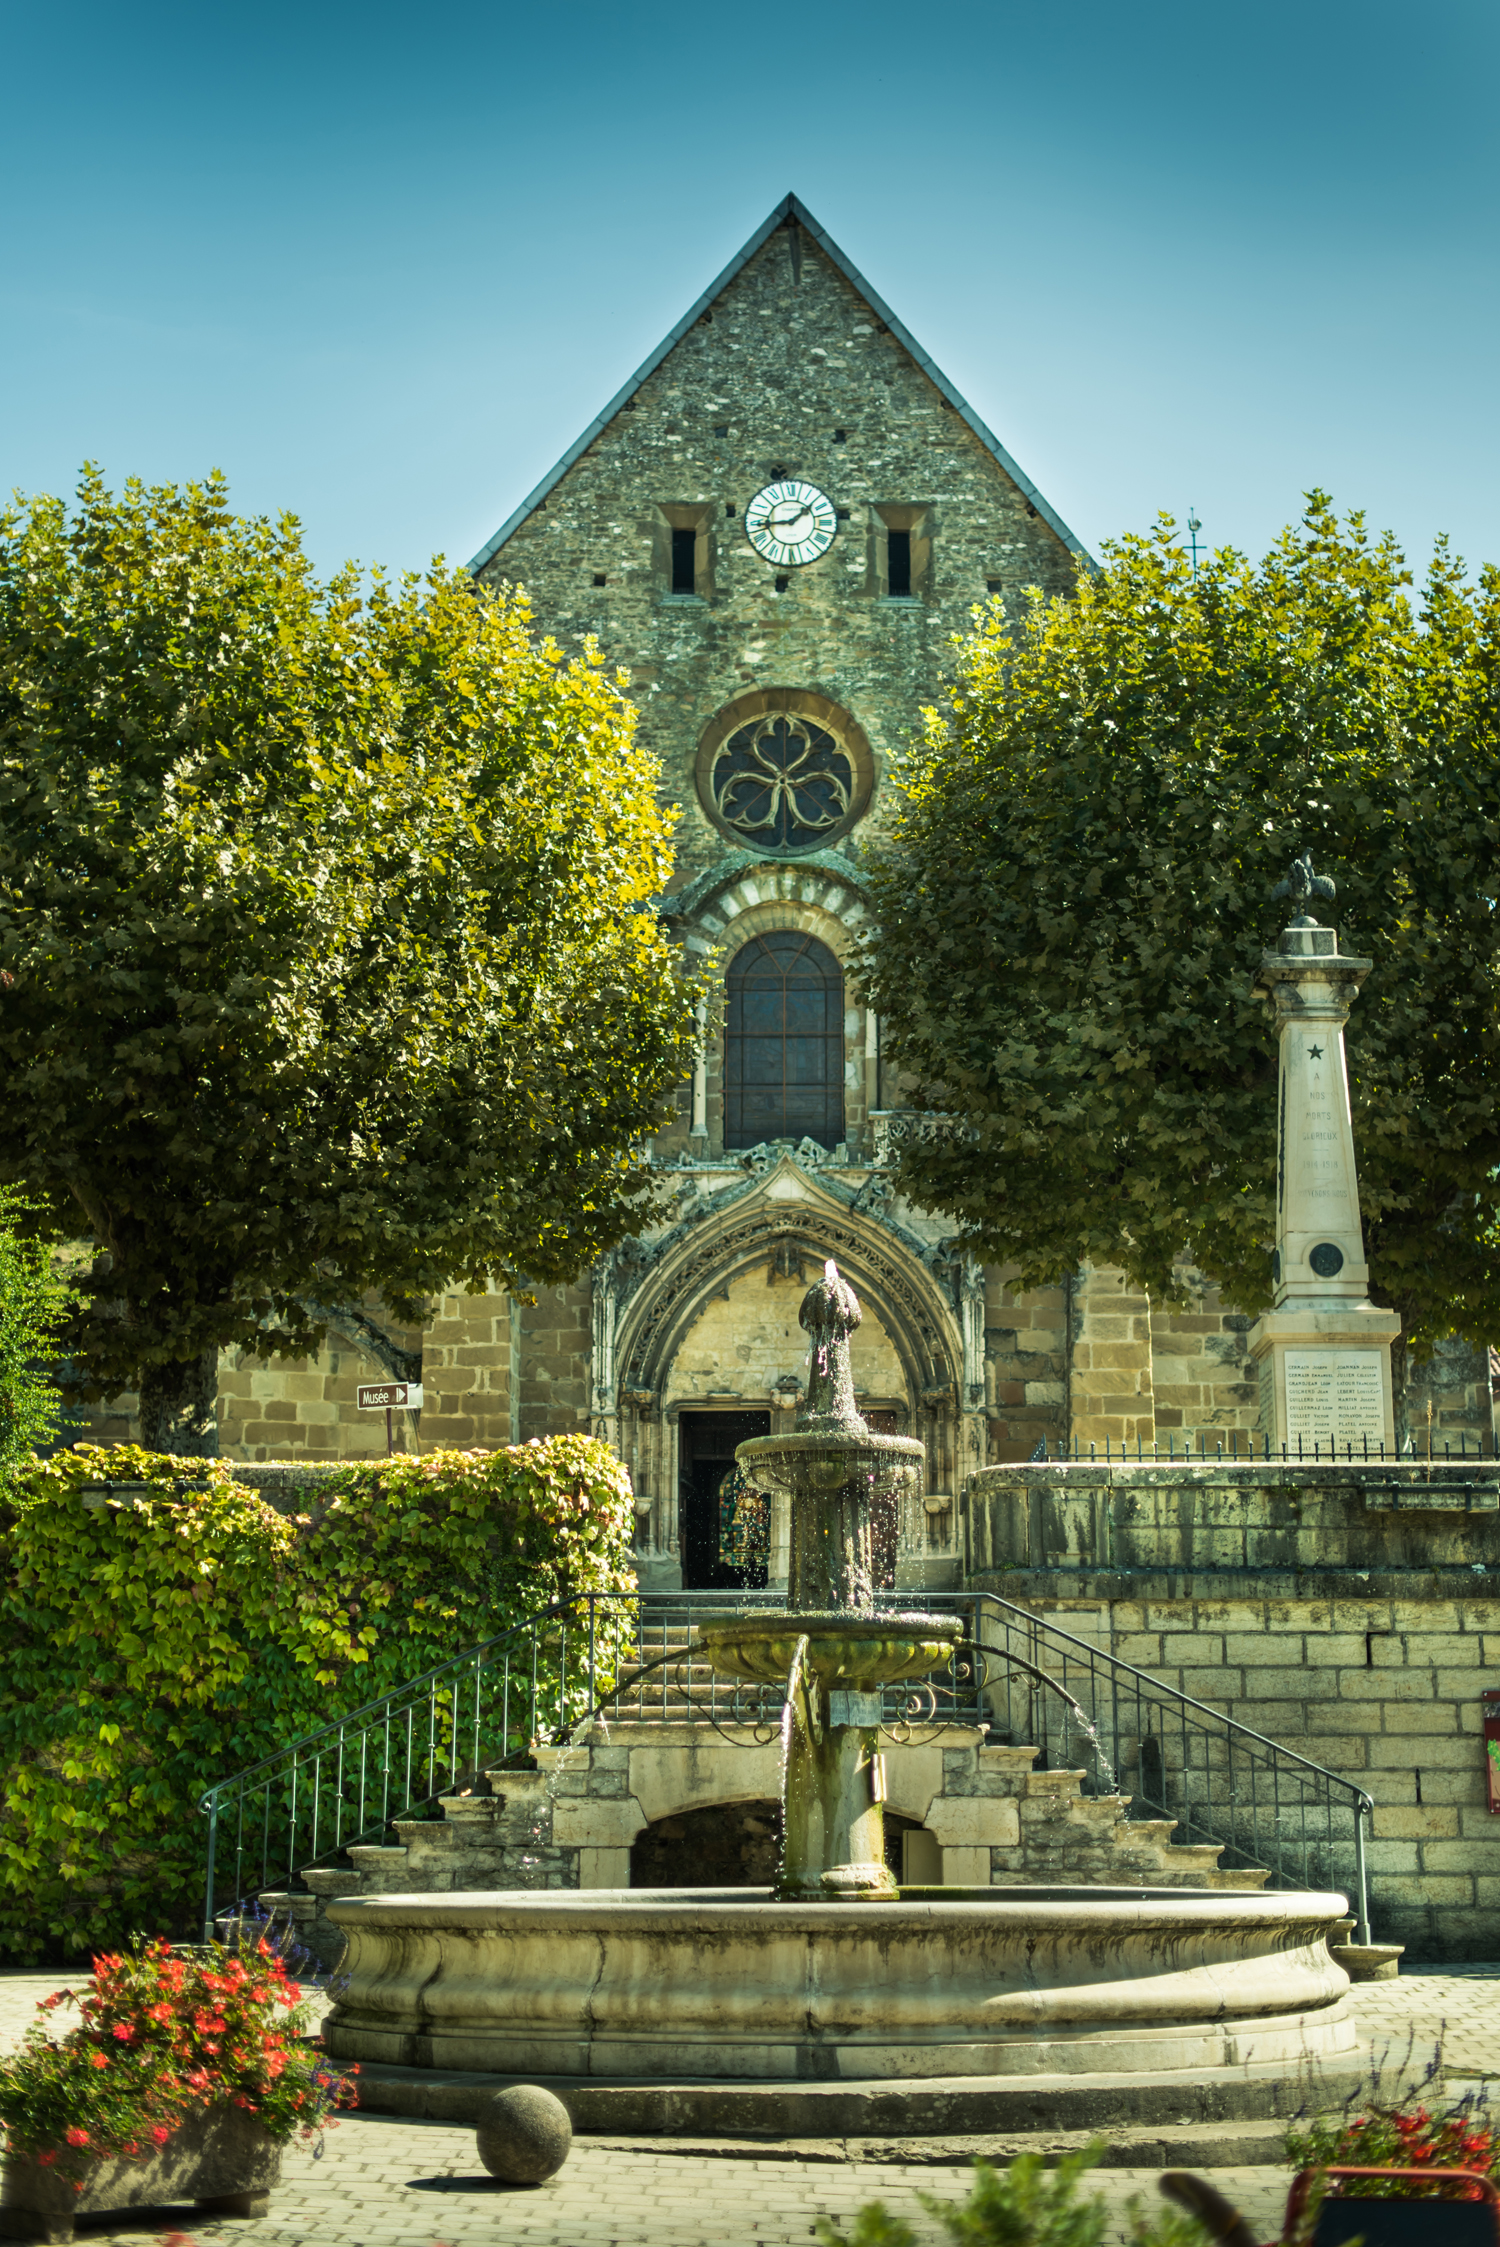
[177,1407]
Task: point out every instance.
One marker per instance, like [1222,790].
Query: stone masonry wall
[1025,1366]
[1111,1395]
[1351,1615]
[789,371]
[1200,1371]
[556,1339]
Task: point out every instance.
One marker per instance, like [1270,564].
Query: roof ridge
[790,207]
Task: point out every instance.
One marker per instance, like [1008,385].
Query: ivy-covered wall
[159,1637]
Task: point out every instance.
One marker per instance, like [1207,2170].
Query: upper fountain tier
[835,1468]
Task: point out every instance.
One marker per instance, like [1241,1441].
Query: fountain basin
[850,1652]
[716,1985]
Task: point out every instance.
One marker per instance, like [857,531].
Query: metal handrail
[633,1656]
[1252,1447]
[396,1755]
[1264,1805]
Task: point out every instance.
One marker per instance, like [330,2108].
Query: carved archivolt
[654,1304]
[746,899]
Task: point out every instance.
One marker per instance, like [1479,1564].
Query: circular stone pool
[727,1985]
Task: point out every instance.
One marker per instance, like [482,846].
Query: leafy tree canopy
[325,962]
[35,1298]
[1075,895]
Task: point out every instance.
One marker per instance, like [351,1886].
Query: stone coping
[928,2108]
[1077,1906]
[1025,1586]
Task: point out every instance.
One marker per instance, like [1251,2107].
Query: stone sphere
[525,2135]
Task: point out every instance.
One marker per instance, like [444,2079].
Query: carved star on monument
[1315,1053]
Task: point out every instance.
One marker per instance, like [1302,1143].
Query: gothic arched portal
[784,1047]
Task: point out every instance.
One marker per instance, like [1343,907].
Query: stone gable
[787,371]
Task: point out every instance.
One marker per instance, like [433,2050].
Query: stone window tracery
[782,782]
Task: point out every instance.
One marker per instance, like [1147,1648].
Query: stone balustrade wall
[1351,1614]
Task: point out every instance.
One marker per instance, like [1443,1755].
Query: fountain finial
[830,1312]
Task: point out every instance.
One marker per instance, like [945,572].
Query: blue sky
[381,265]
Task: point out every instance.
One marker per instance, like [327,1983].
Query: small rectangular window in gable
[898,563]
[684,559]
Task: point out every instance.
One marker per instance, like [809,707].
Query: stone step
[334,1880]
[374,1856]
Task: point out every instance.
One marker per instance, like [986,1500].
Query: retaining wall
[1350,1613]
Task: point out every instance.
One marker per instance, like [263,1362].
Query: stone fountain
[830,1649]
[835,2002]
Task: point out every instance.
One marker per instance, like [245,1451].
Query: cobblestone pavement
[414,2184]
[384,2183]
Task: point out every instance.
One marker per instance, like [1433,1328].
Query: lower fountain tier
[727,1985]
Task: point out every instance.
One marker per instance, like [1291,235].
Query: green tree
[326,964]
[1076,892]
[34,1301]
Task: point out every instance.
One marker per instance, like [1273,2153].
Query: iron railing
[395,1756]
[1249,1447]
[1265,1806]
[621,1658]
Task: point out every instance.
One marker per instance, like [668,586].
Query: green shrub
[34,1298]
[159,1640]
[1024,2205]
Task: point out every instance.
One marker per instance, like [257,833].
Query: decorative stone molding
[793,703]
[747,883]
[895,1128]
[742,1227]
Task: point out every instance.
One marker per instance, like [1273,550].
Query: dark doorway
[705,1453]
[727,1845]
[784,1048]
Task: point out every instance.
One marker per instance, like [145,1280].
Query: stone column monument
[1323,1351]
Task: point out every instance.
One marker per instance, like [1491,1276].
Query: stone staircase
[568,1824]
[651,1690]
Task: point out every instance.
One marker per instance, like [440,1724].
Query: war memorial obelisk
[1323,1351]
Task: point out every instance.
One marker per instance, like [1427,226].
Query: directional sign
[381,1396]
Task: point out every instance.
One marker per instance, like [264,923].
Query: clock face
[790,523]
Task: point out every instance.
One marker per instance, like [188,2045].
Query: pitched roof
[789,208]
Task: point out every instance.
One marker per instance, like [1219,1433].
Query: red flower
[98,2059]
[159,2133]
[124,2031]
[45,2159]
[75,2136]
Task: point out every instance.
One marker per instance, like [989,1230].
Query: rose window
[782,783]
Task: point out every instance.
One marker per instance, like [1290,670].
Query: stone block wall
[1111,1389]
[1200,1372]
[470,1361]
[1382,1691]
[305,1408]
[1352,1615]
[553,1352]
[1450,1398]
[1026,1338]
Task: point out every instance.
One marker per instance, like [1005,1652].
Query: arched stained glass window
[784,1052]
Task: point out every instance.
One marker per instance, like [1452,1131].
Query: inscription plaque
[1334,1395]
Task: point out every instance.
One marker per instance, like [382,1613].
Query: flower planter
[219,2157]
